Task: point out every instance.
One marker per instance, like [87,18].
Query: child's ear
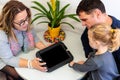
[97,42]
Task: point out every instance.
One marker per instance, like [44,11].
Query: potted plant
[54,14]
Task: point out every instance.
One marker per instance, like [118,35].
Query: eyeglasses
[22,22]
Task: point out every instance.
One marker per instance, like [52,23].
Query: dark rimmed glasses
[22,22]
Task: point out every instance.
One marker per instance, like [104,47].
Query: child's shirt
[101,67]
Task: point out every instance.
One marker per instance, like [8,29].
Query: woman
[16,35]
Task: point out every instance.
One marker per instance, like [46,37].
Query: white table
[72,41]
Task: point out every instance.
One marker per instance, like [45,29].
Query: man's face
[88,20]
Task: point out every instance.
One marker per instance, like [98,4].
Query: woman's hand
[38,65]
[40,45]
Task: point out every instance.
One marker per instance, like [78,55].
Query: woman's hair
[108,36]
[89,5]
[9,11]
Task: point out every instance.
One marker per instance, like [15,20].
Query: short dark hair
[89,5]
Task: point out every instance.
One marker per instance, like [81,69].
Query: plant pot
[54,32]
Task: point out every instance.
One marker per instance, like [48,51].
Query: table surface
[72,41]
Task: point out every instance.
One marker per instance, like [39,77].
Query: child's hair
[107,35]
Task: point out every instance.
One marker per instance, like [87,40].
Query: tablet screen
[54,56]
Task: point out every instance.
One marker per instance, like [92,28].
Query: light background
[112,8]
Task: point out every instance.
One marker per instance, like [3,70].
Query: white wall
[112,6]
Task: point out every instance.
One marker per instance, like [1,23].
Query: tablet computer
[55,56]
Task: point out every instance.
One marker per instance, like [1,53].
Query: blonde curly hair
[108,36]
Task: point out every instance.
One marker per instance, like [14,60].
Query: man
[92,12]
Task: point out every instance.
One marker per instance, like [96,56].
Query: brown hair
[9,11]
[108,36]
[89,5]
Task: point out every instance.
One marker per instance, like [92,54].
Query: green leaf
[72,16]
[54,17]
[43,22]
[40,6]
[68,24]
[37,17]
[38,9]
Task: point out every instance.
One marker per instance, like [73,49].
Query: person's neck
[101,50]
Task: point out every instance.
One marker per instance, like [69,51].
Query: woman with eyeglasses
[16,35]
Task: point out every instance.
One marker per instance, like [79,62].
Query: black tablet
[55,56]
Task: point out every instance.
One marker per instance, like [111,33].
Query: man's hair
[89,5]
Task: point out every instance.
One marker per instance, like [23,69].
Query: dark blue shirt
[88,49]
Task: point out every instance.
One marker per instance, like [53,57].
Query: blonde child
[101,64]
